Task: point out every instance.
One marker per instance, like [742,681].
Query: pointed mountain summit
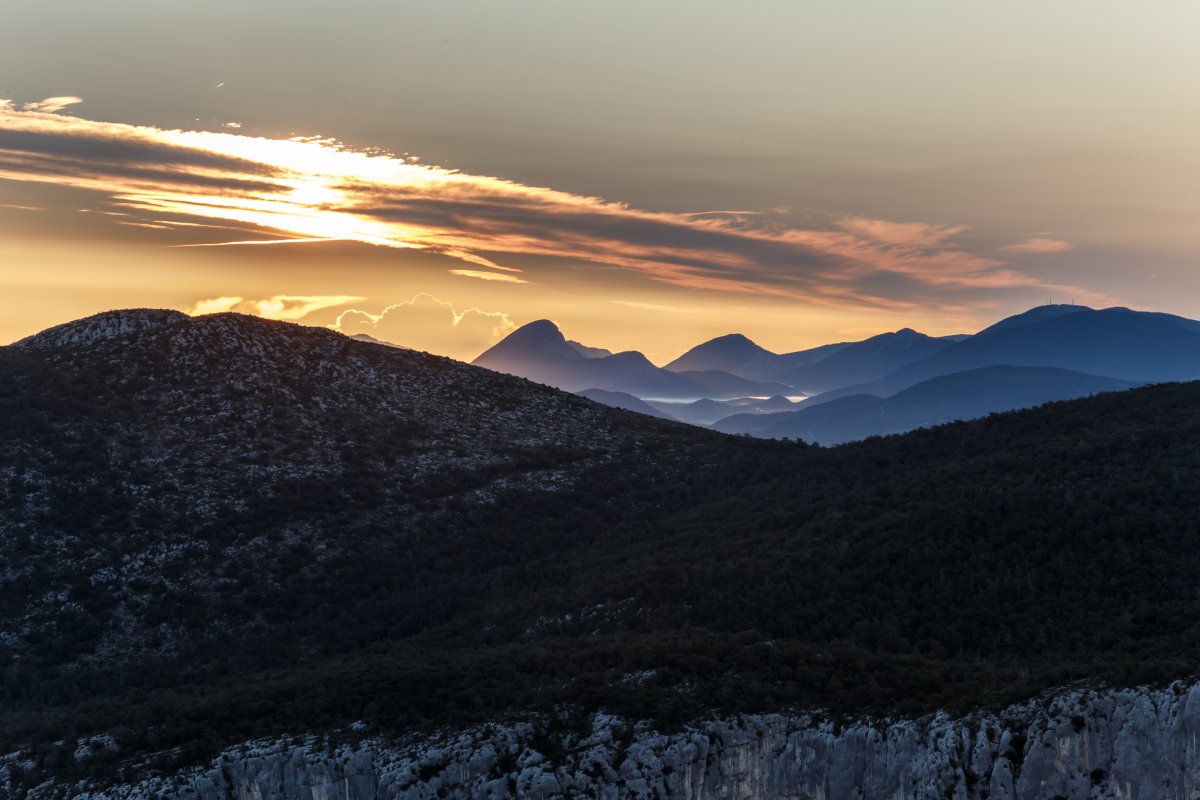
[539,338]
[540,352]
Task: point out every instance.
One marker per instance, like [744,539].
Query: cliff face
[1130,744]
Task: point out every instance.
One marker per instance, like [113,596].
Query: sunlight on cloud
[487,276]
[907,234]
[279,307]
[291,307]
[429,324]
[658,307]
[51,105]
[215,305]
[312,189]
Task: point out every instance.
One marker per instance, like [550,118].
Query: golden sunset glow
[317,191]
[798,192]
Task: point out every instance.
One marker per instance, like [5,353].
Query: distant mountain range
[821,368]
[1139,346]
[539,351]
[961,395]
[630,403]
[706,412]
[736,354]
[1052,352]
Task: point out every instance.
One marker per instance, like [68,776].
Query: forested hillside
[220,527]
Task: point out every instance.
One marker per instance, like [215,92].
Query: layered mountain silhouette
[961,395]
[736,354]
[706,412]
[818,369]
[539,351]
[868,360]
[630,403]
[725,382]
[1138,346]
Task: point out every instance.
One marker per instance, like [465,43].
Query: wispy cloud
[503,277]
[51,105]
[653,307]
[280,306]
[427,323]
[1035,245]
[311,189]
[293,240]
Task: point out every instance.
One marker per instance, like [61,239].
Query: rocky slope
[148,458]
[221,530]
[1130,744]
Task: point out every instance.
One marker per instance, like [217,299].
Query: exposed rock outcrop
[1132,744]
[108,325]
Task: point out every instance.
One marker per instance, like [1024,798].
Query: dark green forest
[303,573]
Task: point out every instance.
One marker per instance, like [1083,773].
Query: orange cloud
[281,306]
[283,191]
[1036,245]
[214,305]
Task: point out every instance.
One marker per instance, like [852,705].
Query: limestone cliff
[1132,744]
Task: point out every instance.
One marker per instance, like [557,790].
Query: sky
[647,175]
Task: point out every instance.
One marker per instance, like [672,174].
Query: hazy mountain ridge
[958,396]
[540,352]
[625,401]
[738,355]
[706,412]
[1138,346]
[816,369]
[870,359]
[1034,315]
[1107,350]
